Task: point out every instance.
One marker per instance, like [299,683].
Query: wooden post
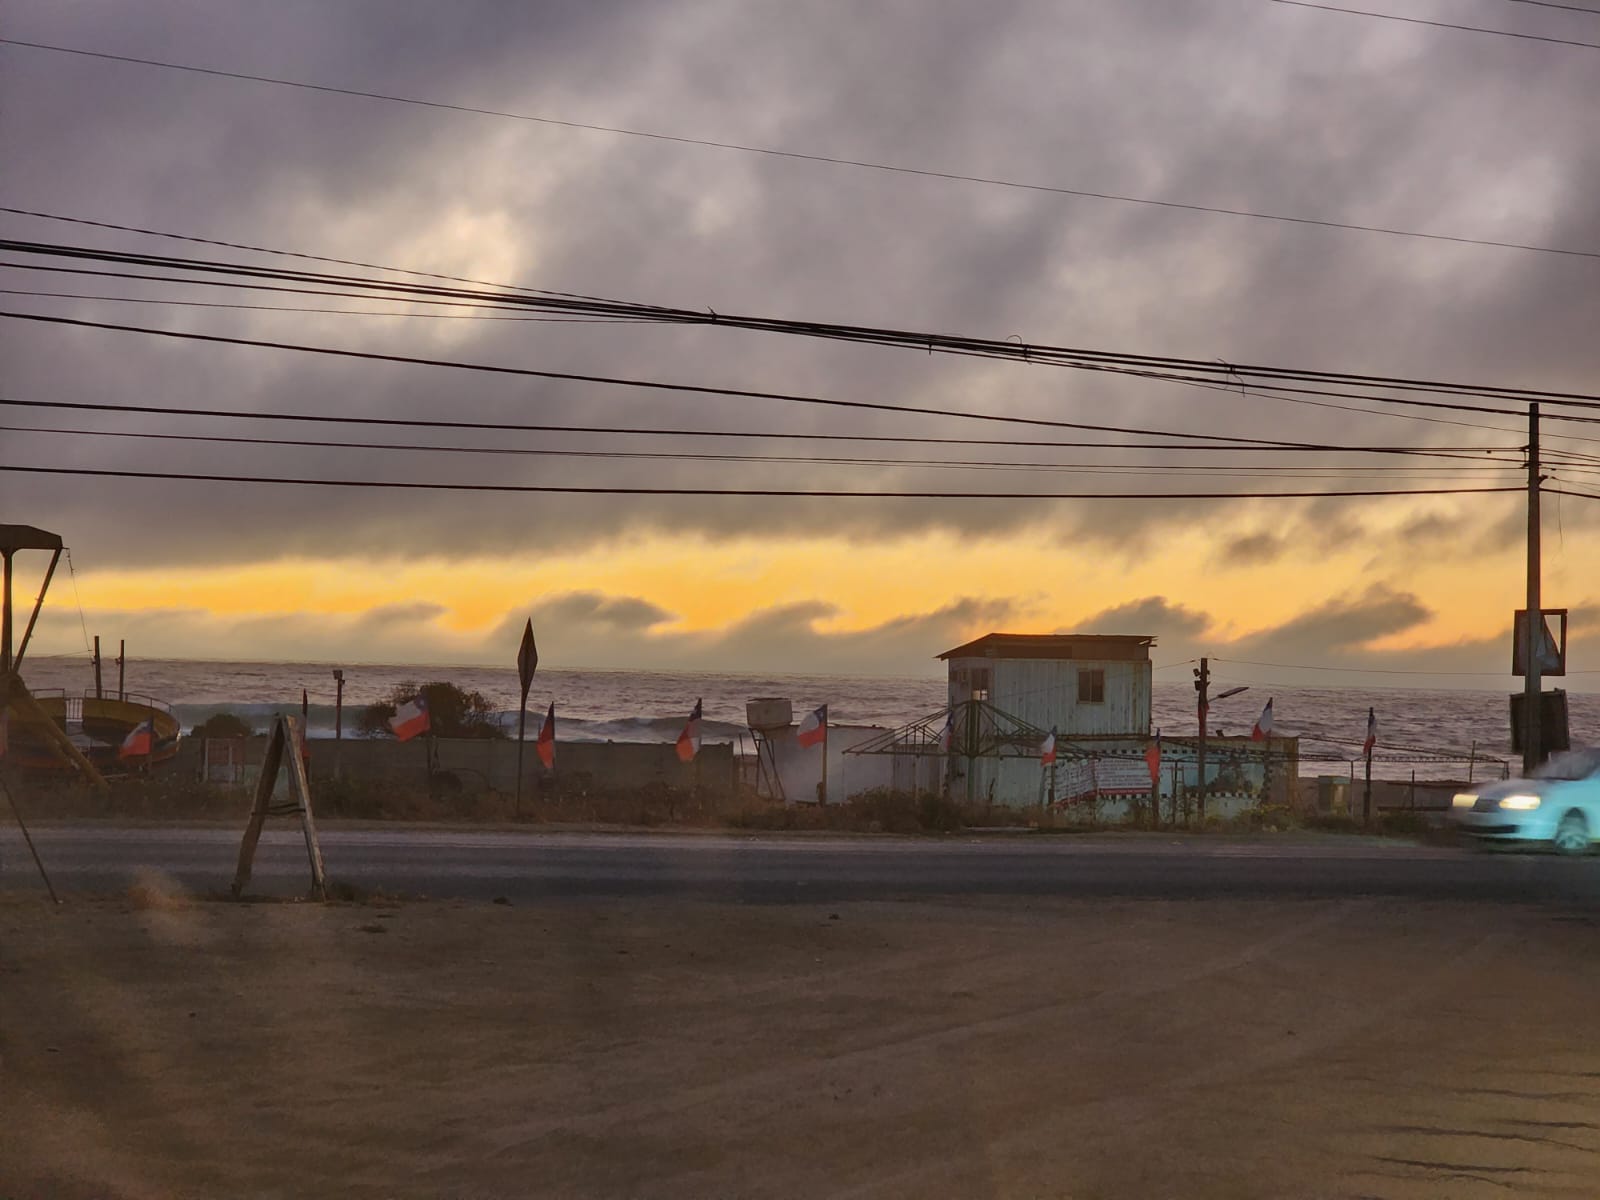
[1366,794]
[338,722]
[98,693]
[1532,746]
[822,793]
[122,668]
[283,742]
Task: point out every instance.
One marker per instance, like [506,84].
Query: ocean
[645,706]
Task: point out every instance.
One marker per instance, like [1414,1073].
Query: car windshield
[1572,764]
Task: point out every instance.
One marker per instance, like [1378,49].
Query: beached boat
[99,726]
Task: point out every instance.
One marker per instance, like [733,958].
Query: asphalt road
[776,869]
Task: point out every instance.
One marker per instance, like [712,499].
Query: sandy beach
[155,1046]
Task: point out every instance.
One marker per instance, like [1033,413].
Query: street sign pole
[527,663]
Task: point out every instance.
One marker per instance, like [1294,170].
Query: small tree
[222,725]
[453,712]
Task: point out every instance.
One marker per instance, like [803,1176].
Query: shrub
[222,725]
[453,712]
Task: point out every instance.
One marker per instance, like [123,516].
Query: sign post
[527,664]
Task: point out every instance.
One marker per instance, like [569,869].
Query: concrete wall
[476,765]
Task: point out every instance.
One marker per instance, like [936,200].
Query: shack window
[980,683]
[1091,685]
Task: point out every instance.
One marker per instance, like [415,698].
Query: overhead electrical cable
[1506,33]
[1577,8]
[829,159]
[419,485]
[621,381]
[1211,370]
[340,312]
[1470,453]
[1230,471]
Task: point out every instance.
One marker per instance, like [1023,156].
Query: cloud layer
[1280,110]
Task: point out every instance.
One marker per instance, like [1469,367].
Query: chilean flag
[689,739]
[1047,753]
[813,730]
[140,741]
[1263,729]
[545,747]
[1152,758]
[947,735]
[1372,731]
[410,719]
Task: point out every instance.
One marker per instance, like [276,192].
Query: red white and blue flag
[947,735]
[545,747]
[1047,752]
[689,739]
[140,742]
[1263,729]
[813,730]
[410,719]
[1372,731]
[1152,759]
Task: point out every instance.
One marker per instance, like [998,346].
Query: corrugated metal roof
[1090,646]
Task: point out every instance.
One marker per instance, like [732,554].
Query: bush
[222,725]
[453,712]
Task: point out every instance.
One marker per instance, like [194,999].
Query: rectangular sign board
[1552,648]
[1122,777]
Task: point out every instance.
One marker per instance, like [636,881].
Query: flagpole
[522,733]
[824,755]
[1366,795]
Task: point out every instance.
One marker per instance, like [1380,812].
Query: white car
[1559,806]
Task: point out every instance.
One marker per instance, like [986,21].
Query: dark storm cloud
[589,629]
[1253,550]
[616,613]
[1287,111]
[1341,624]
[1152,614]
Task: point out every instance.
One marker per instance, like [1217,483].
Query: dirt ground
[158,1047]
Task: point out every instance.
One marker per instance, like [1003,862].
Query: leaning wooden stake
[283,743]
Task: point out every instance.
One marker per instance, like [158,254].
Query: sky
[1241,104]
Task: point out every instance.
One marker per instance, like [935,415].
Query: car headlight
[1464,800]
[1520,801]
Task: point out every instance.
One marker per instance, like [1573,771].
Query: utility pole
[122,676]
[338,718]
[1202,685]
[1534,626]
[97,692]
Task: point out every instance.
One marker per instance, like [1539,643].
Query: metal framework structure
[15,699]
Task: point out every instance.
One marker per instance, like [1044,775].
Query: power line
[1314,471]
[650,384]
[1551,4]
[1264,391]
[1245,662]
[1452,452]
[559,489]
[1267,392]
[1201,370]
[1360,12]
[832,160]
[342,312]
